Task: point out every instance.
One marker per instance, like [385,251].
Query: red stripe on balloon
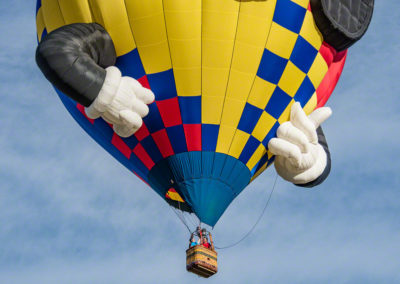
[335,61]
[327,52]
[162,141]
[81,108]
[170,112]
[193,136]
[121,146]
[141,153]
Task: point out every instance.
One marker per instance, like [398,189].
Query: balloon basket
[201,261]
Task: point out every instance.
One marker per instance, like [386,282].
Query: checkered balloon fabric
[225,74]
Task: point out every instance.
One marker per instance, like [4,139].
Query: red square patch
[142,133]
[162,141]
[170,111]
[193,136]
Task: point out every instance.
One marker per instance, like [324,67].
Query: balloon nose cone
[208,197]
[207,181]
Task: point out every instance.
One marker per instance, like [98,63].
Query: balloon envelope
[225,74]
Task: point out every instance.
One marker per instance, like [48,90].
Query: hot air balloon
[225,74]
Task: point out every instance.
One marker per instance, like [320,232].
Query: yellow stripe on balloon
[75,11]
[147,23]
[183,25]
[225,137]
[231,120]
[52,15]
[113,17]
[249,44]
[219,21]
[211,109]
[239,84]
[40,26]
[239,141]
[248,50]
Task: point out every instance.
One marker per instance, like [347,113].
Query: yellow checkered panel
[290,70]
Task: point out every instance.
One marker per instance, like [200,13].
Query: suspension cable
[191,219]
[258,220]
[180,218]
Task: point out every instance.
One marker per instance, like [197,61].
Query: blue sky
[69,213]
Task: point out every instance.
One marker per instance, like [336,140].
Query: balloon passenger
[80,60]
[205,242]
[193,242]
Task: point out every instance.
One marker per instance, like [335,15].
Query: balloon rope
[182,213]
[180,218]
[191,219]
[258,220]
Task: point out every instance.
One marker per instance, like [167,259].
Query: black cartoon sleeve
[73,59]
[342,22]
[327,170]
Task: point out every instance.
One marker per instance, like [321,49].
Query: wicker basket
[201,261]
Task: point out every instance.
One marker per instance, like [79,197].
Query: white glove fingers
[123,130]
[130,119]
[300,134]
[319,115]
[110,118]
[131,122]
[286,149]
[315,170]
[143,94]
[292,134]
[139,107]
[122,102]
[300,120]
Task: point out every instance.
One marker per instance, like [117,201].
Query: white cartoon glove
[299,158]
[122,101]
